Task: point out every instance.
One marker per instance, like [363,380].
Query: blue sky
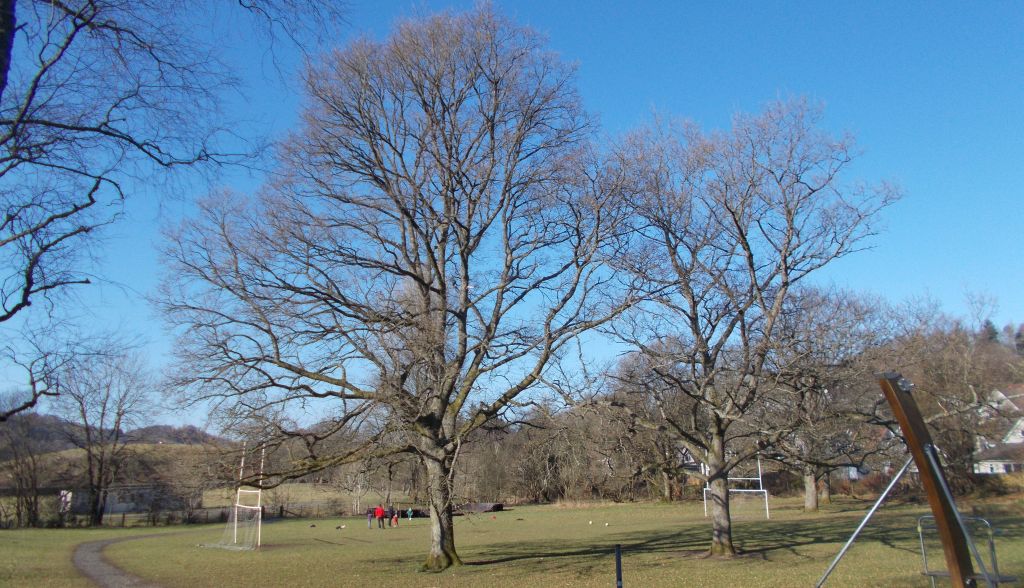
[934,93]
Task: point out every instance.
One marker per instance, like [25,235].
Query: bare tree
[727,224]
[36,365]
[96,95]
[103,395]
[33,356]
[434,243]
[355,480]
[955,367]
[22,460]
[658,451]
[830,347]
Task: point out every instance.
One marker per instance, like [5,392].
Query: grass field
[42,557]
[524,546]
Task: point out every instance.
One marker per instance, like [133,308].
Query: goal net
[245,519]
[243,529]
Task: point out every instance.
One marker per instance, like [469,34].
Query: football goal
[245,519]
[751,486]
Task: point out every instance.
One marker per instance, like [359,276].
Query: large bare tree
[432,244]
[98,97]
[103,395]
[728,223]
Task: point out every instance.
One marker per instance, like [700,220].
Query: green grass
[42,557]
[529,546]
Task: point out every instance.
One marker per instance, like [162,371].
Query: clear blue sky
[933,91]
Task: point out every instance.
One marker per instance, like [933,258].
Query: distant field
[527,546]
[307,499]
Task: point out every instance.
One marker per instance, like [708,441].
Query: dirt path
[89,560]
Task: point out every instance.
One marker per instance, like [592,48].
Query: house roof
[1008,398]
[1016,431]
[1005,452]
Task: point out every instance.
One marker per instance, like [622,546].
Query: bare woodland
[447,245]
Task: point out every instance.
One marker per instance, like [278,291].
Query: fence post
[618,565]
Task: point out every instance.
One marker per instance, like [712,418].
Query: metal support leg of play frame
[932,454]
[867,518]
[898,392]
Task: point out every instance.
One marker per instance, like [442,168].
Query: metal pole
[930,452]
[259,499]
[618,565]
[860,527]
[238,493]
[704,470]
[760,486]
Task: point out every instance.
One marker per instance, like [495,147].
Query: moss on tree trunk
[442,553]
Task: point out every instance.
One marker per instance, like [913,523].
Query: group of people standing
[380,513]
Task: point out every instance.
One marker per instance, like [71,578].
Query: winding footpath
[89,560]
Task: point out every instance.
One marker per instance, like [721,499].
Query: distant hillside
[187,435]
[50,434]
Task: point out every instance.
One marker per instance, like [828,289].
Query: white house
[1006,455]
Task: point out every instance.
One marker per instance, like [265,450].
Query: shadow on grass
[764,540]
[343,542]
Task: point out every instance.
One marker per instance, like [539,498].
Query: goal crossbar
[248,534]
[767,512]
[759,490]
[258,507]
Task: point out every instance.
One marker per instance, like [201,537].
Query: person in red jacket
[378,513]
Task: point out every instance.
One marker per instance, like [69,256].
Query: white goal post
[245,522]
[760,489]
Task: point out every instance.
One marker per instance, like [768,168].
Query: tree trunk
[442,530]
[387,491]
[415,483]
[810,492]
[32,508]
[97,506]
[666,491]
[721,519]
[826,490]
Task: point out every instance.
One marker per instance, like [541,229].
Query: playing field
[524,546]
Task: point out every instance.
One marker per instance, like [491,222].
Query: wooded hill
[48,433]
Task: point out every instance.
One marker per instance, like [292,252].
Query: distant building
[1006,455]
[136,498]
[1002,459]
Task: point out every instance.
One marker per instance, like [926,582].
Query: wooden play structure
[958,545]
